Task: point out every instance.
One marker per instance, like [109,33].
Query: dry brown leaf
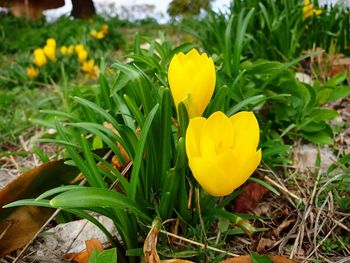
[18,225]
[150,245]
[249,198]
[264,244]
[285,224]
[247,259]
[83,257]
[176,261]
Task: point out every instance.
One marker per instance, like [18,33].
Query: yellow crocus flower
[50,52]
[192,81]
[39,57]
[90,69]
[64,50]
[222,151]
[97,34]
[32,72]
[70,50]
[88,66]
[104,29]
[51,42]
[309,9]
[79,48]
[82,55]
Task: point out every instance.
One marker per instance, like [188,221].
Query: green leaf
[252,100]
[32,202]
[97,143]
[337,79]
[256,258]
[90,197]
[135,174]
[106,256]
[97,109]
[320,137]
[92,166]
[339,92]
[266,185]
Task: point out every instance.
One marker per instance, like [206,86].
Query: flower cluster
[310,10]
[48,53]
[222,151]
[102,33]
[41,56]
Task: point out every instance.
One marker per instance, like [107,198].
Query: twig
[198,244]
[284,189]
[321,242]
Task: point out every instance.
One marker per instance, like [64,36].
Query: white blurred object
[305,78]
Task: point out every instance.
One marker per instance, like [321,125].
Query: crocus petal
[211,177]
[193,135]
[220,130]
[204,80]
[242,168]
[247,133]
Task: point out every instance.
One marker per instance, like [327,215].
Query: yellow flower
[50,52]
[64,50]
[32,72]
[104,29]
[222,151]
[39,57]
[309,9]
[82,55]
[51,42]
[79,48]
[70,50]
[88,66]
[192,81]
[90,69]
[97,34]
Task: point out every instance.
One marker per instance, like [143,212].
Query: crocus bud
[39,57]
[310,10]
[82,55]
[222,151]
[192,81]
[51,42]
[50,52]
[32,72]
[64,50]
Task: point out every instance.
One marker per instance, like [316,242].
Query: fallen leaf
[249,198]
[19,225]
[284,225]
[150,244]
[264,244]
[83,257]
[247,259]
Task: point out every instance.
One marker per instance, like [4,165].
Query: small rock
[305,156]
[70,237]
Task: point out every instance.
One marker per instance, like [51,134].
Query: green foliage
[130,107]
[106,256]
[187,7]
[256,258]
[29,35]
[276,31]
